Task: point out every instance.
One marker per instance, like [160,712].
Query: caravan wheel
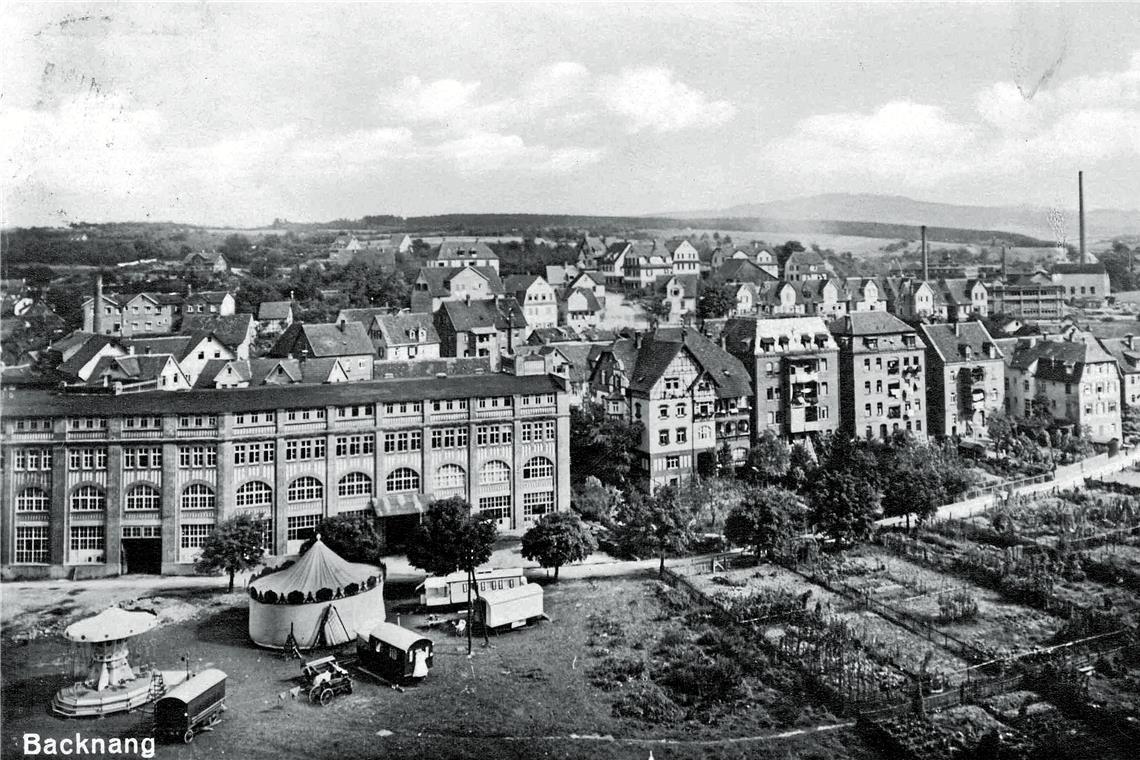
[188,737]
[326,697]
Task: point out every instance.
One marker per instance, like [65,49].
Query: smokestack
[1081,201]
[1004,270]
[97,307]
[925,258]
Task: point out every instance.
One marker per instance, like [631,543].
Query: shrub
[702,682]
[957,606]
[614,671]
[648,702]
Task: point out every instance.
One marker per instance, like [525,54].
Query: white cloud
[441,100]
[555,84]
[489,151]
[649,98]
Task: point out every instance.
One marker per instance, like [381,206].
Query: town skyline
[236,115]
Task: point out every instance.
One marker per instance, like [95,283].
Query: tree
[235,545]
[844,502]
[801,464]
[656,524]
[917,472]
[654,306]
[558,539]
[769,459]
[355,538]
[1000,429]
[450,538]
[595,500]
[602,445]
[765,519]
[716,302]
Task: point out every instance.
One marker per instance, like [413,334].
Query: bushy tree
[595,500]
[801,465]
[558,538]
[234,546]
[601,445]
[653,525]
[769,459]
[450,538]
[716,301]
[1000,429]
[353,537]
[765,519]
[844,504]
[916,471]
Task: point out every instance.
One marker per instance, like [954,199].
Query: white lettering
[80,745]
[147,748]
[31,744]
[49,747]
[66,747]
[115,746]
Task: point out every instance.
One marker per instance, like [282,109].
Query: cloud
[442,100]
[1078,121]
[649,98]
[489,151]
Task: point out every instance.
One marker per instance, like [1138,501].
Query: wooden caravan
[394,653]
[509,608]
[446,590]
[191,706]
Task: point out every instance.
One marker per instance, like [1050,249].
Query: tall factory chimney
[97,307]
[925,257]
[1081,200]
[1004,270]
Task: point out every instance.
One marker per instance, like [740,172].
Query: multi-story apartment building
[434,286]
[1126,351]
[686,259]
[127,315]
[805,265]
[692,399]
[100,484]
[1074,377]
[536,297]
[794,366]
[456,253]
[882,377]
[966,377]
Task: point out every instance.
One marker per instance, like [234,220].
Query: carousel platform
[80,700]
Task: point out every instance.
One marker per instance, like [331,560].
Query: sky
[237,114]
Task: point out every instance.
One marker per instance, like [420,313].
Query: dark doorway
[143,555]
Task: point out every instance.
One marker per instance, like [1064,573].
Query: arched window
[451,476]
[402,479]
[354,484]
[306,489]
[198,496]
[88,499]
[144,497]
[32,500]
[254,494]
[494,472]
[538,467]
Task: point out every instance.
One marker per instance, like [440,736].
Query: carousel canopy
[319,567]
[112,624]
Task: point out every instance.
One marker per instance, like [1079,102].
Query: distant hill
[897,209]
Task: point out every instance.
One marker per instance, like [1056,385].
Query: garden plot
[998,626]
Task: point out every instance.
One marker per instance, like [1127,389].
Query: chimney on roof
[1128,339]
[97,307]
[925,256]
[957,329]
[1081,210]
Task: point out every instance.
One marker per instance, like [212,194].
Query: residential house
[692,399]
[743,270]
[537,298]
[137,373]
[610,373]
[745,294]
[882,375]
[73,358]
[406,336]
[206,262]
[964,298]
[209,302]
[347,341]
[455,253]
[612,264]
[793,363]
[274,316]
[235,331]
[965,374]
[682,293]
[1074,377]
[647,262]
[560,275]
[865,294]
[489,328]
[778,298]
[579,309]
[686,260]
[224,373]
[591,250]
[913,300]
[134,314]
[434,286]
[591,281]
[827,298]
[1126,351]
[192,351]
[805,265]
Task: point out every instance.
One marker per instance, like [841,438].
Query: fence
[706,565]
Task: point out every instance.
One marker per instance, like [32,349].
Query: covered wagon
[394,653]
[191,706]
[509,608]
[446,590]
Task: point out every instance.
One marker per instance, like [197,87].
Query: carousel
[99,644]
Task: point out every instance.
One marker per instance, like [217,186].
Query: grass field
[528,694]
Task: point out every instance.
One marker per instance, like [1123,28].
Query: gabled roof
[208,296]
[1059,360]
[135,368]
[1079,269]
[210,256]
[868,323]
[949,341]
[957,290]
[231,330]
[261,369]
[743,270]
[439,279]
[274,310]
[661,347]
[1128,359]
[179,346]
[483,315]
[518,284]
[592,304]
[323,370]
[811,291]
[805,258]
[614,251]
[690,284]
[403,329]
[593,277]
[366,316]
[209,374]
[454,250]
[323,340]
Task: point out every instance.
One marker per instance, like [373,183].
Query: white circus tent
[320,600]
